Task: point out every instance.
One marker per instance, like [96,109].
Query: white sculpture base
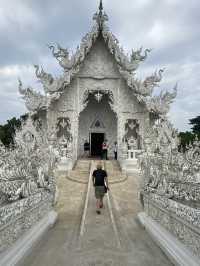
[23,246]
[130,164]
[173,248]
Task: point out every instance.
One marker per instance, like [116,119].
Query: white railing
[133,154]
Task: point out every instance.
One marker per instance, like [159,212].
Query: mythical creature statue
[63,57]
[72,63]
[50,84]
[147,86]
[124,62]
[160,104]
[136,56]
[154,79]
[34,101]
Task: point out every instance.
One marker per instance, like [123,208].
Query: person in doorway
[105,150]
[86,148]
[100,182]
[115,150]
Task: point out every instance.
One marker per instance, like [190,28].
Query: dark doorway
[96,143]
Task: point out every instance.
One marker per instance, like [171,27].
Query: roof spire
[100,17]
[100,7]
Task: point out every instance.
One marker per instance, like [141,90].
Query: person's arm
[106,179]
[93,179]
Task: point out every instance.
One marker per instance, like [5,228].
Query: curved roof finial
[100,6]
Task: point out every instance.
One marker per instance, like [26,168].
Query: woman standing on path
[100,182]
[115,150]
[105,150]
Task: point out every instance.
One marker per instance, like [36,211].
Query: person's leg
[98,206]
[106,152]
[97,200]
[101,203]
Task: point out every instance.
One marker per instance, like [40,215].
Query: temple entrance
[96,140]
[97,122]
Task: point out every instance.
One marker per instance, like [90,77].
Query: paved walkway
[112,238]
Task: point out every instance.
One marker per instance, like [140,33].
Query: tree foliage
[195,122]
[188,137]
[185,139]
[7,130]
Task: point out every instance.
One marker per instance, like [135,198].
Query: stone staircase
[80,172]
[115,175]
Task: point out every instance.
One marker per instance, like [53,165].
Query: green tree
[7,130]
[195,122]
[189,136]
[185,139]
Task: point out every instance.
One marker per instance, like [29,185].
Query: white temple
[98,96]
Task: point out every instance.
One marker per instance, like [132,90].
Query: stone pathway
[112,238]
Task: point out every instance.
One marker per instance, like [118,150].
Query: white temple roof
[127,66]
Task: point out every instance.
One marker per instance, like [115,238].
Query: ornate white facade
[98,94]
[98,82]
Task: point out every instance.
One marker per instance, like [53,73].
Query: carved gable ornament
[97,124]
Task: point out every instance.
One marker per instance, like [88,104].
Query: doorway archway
[97,122]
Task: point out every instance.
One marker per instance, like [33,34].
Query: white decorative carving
[49,83]
[146,87]
[170,174]
[28,166]
[98,96]
[34,101]
[160,105]
[64,136]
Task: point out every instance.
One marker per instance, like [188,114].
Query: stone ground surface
[105,241]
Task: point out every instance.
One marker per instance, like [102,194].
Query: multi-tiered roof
[71,64]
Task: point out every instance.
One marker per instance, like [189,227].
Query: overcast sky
[170,27]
